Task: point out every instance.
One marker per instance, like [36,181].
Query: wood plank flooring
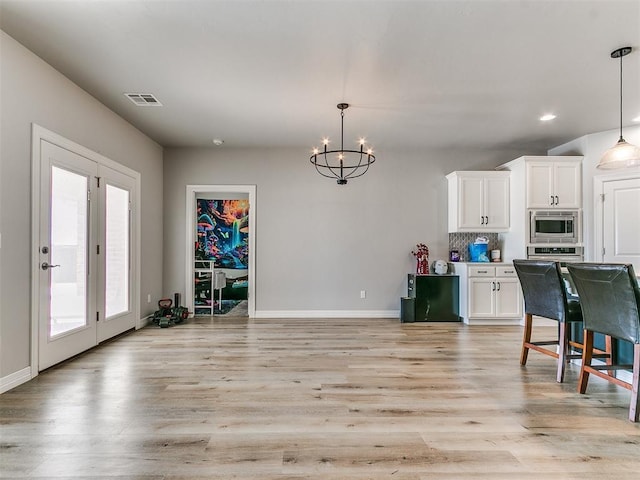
[236,398]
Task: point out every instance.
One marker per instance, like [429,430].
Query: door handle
[551,199]
[481,219]
[46,266]
[557,200]
[498,286]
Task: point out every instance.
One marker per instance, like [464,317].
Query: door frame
[598,208]
[39,134]
[191,192]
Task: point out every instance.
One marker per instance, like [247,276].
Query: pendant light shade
[622,154]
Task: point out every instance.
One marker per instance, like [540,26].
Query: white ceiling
[474,75]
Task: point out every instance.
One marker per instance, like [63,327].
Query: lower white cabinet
[489,293]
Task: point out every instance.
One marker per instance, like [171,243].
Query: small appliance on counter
[495,256]
[440,267]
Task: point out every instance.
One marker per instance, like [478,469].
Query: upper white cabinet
[478,201]
[554,183]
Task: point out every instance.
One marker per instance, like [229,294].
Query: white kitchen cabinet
[554,184]
[489,293]
[478,201]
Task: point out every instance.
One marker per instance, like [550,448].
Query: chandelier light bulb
[362,141]
[315,150]
[325,141]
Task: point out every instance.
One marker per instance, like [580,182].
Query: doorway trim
[39,134]
[191,192]
[598,208]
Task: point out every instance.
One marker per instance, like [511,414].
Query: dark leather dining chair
[545,295]
[610,300]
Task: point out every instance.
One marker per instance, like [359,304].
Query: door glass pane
[117,251]
[69,243]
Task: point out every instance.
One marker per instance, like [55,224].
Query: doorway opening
[220,250]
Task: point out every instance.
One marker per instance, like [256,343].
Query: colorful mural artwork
[223,233]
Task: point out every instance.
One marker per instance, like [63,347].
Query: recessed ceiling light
[217,142]
[547,117]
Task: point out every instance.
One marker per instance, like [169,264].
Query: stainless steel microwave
[555,226]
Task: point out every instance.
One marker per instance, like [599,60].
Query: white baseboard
[328,314]
[14,379]
[144,321]
[492,321]
[543,322]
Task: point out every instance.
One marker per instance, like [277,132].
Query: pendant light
[622,154]
[342,164]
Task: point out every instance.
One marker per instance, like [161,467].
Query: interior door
[621,222]
[115,255]
[67,269]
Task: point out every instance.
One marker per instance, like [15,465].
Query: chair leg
[563,346]
[528,320]
[609,349]
[634,406]
[587,353]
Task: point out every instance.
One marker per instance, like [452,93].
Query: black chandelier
[342,164]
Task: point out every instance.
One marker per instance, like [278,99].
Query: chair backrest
[543,288]
[610,298]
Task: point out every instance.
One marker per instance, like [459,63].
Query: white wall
[592,147]
[319,244]
[33,92]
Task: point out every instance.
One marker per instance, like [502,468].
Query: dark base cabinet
[437,297]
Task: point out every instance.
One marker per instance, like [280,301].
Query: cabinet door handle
[551,199]
[493,286]
[557,200]
[481,219]
[498,286]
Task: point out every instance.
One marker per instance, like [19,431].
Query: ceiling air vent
[143,99]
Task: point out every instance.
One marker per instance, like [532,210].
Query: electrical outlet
[363,294]
[149,298]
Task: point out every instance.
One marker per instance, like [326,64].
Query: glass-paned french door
[84,252]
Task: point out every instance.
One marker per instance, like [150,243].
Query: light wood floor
[315,399]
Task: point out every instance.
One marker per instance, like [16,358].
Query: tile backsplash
[461,241]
